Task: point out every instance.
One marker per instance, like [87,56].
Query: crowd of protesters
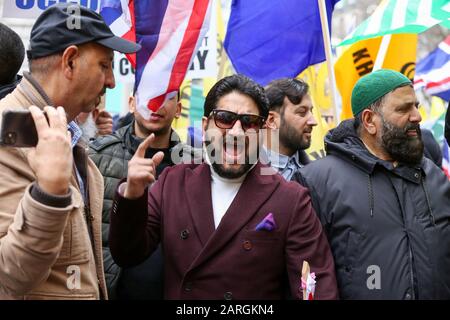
[134,213]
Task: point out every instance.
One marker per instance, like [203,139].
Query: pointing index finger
[140,152]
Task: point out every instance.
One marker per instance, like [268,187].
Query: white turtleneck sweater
[223,192]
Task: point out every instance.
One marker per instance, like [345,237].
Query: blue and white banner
[433,72]
[31,9]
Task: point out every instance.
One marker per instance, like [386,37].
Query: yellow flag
[437,107]
[181,124]
[319,89]
[423,113]
[359,59]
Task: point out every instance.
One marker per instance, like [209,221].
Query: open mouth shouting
[234,150]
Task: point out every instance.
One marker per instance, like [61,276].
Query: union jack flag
[433,72]
[170,33]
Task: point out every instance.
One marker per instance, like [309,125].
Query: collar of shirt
[75,131]
[281,161]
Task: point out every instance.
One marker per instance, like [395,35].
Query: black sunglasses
[226,120]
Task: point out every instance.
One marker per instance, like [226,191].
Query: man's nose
[237,129]
[312,120]
[110,81]
[415,116]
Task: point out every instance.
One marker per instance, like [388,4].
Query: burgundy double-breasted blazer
[233,261]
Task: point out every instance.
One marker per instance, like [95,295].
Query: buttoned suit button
[228,296]
[184,234]
[188,287]
[247,245]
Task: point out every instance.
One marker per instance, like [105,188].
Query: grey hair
[375,107]
[43,66]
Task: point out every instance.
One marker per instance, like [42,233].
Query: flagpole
[329,56]
[223,60]
[382,52]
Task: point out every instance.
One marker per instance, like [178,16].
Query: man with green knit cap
[384,206]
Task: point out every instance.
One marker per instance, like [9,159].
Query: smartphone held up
[18,129]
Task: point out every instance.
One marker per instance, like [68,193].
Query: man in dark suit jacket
[230,228]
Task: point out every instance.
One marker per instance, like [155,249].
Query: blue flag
[269,39]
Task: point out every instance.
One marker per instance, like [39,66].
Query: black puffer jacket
[111,154]
[389,228]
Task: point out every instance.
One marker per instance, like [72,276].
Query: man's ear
[178,111]
[204,127]
[132,104]
[273,120]
[368,118]
[70,60]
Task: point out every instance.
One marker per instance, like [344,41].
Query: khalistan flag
[402,16]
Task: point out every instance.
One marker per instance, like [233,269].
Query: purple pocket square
[268,223]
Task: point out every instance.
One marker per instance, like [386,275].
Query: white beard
[89,128]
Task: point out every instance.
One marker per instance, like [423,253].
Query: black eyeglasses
[226,120]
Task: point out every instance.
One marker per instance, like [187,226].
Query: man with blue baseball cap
[65,24]
[51,195]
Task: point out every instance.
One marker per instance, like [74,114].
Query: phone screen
[18,129]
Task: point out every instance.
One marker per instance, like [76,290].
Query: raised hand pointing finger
[141,171]
[140,152]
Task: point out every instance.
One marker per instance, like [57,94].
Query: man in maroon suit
[230,227]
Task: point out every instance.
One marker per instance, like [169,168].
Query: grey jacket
[389,228]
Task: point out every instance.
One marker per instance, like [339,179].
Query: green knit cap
[375,85]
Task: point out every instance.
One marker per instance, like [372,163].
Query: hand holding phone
[51,159]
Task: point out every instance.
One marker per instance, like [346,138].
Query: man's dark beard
[399,145]
[291,139]
[229,173]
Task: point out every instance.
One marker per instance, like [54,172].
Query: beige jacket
[46,252]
